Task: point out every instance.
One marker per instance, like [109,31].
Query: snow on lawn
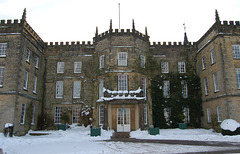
[186,134]
[78,140]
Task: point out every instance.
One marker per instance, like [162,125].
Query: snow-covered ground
[77,140]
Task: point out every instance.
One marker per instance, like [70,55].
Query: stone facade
[222,93]
[112,75]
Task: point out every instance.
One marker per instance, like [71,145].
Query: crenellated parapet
[122,32]
[170,44]
[71,45]
[9,21]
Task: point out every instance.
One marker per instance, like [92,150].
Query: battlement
[231,23]
[10,21]
[122,32]
[158,44]
[87,44]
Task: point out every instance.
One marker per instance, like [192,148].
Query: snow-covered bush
[87,116]
[230,127]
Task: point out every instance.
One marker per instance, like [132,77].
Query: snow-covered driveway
[78,141]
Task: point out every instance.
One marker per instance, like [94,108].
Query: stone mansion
[40,83]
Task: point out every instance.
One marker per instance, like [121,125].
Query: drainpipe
[43,96]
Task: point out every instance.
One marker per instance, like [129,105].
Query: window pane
[76,89]
[101,61]
[213,60]
[100,90]
[203,63]
[145,114]
[181,67]
[76,114]
[59,89]
[215,82]
[184,89]
[23,113]
[77,67]
[25,80]
[57,115]
[60,67]
[209,115]
[3,48]
[238,77]
[166,89]
[35,84]
[142,59]
[143,80]
[219,114]
[122,82]
[101,114]
[164,67]
[28,55]
[206,86]
[236,51]
[122,59]
[36,61]
[1,76]
[32,117]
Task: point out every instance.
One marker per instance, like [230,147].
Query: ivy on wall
[176,101]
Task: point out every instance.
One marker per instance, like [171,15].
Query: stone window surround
[3,48]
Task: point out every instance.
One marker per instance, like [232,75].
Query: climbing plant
[176,102]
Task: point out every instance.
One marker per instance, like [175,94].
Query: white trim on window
[219,114]
[77,67]
[166,89]
[145,113]
[186,115]
[215,82]
[164,67]
[76,114]
[238,77]
[76,89]
[35,85]
[122,82]
[142,60]
[23,113]
[36,61]
[25,84]
[236,51]
[184,89]
[57,115]
[28,55]
[3,48]
[1,75]
[181,67]
[101,114]
[101,61]
[209,119]
[122,59]
[32,117]
[60,67]
[203,63]
[100,88]
[206,86]
[144,86]
[59,89]
[213,56]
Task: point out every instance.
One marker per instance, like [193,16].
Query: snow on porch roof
[115,95]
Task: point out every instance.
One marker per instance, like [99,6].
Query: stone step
[120,135]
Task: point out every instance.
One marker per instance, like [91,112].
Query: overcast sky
[76,20]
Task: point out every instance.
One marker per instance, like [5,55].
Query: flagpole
[119,14]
